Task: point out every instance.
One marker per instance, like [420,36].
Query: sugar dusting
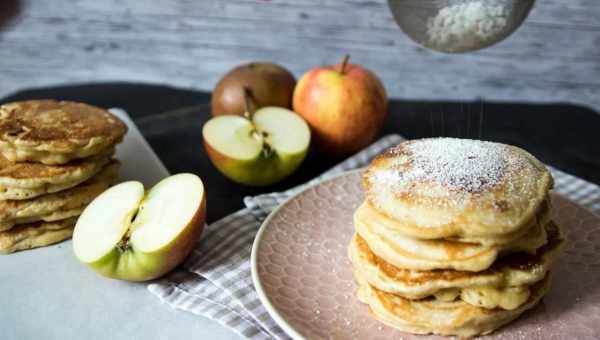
[465,26]
[460,164]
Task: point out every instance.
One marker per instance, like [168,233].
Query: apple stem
[255,133]
[247,103]
[123,245]
[344,63]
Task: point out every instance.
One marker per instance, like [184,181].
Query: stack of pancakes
[454,237]
[55,158]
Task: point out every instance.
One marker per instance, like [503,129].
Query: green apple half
[259,151]
[129,234]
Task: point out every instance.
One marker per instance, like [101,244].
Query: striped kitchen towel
[216,280]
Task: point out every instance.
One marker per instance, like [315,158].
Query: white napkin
[216,280]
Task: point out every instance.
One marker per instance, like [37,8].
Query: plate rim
[264,299]
[262,296]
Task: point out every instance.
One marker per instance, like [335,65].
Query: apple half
[129,234]
[258,151]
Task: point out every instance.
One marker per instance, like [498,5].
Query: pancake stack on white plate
[454,236]
[55,158]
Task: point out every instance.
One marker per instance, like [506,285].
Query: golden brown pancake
[59,205]
[517,269]
[56,132]
[35,235]
[432,316]
[376,218]
[423,254]
[457,188]
[27,180]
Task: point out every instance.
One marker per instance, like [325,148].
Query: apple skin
[261,171]
[270,85]
[135,265]
[345,111]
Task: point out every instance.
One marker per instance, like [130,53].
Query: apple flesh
[345,106]
[259,151]
[129,234]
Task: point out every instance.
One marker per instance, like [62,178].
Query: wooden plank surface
[555,56]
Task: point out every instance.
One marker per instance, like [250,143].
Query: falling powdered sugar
[460,164]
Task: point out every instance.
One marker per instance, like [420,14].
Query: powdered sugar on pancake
[463,165]
[458,187]
[466,165]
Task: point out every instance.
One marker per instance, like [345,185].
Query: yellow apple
[257,150]
[345,106]
[129,234]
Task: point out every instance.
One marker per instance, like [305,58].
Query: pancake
[56,132]
[60,205]
[379,220]
[20,181]
[411,253]
[519,269]
[35,235]
[432,316]
[453,188]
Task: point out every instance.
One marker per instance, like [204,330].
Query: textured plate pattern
[304,271]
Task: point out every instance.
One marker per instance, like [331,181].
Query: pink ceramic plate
[302,273]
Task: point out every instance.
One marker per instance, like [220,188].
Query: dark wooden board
[562,135]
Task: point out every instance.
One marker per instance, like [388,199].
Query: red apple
[269,84]
[344,104]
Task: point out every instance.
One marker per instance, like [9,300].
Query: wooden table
[553,57]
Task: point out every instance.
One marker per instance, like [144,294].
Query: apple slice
[259,151]
[128,234]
